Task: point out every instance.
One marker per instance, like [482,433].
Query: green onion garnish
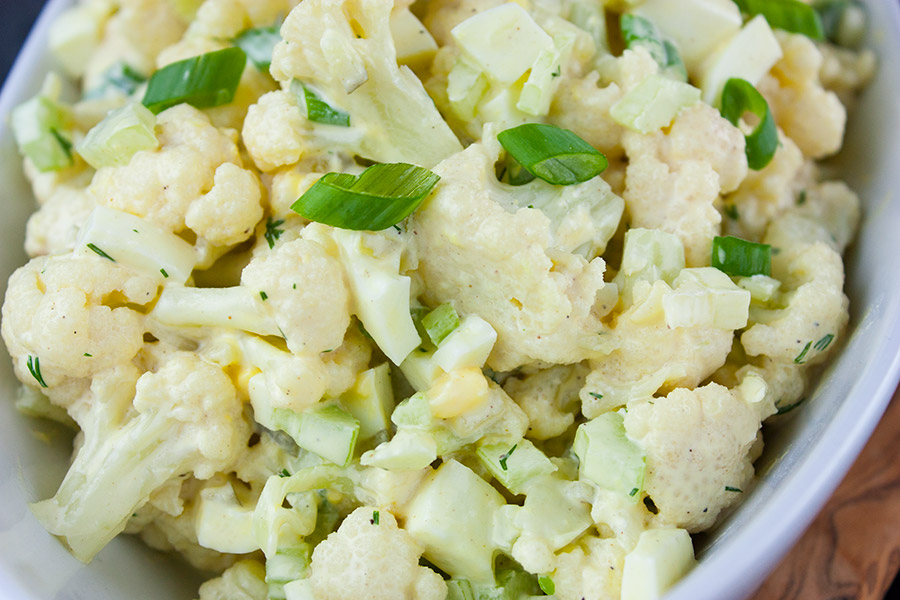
[505,456]
[731,212]
[789,15]
[100,252]
[514,173]
[738,97]
[263,295]
[88,354]
[381,196]
[203,81]
[640,32]
[440,323]
[164,273]
[317,110]
[376,517]
[633,491]
[119,77]
[556,155]
[801,358]
[273,232]
[258,43]
[844,22]
[546,585]
[823,342]
[34,365]
[735,256]
[284,473]
[728,488]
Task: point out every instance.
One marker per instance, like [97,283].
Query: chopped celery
[504,41]
[328,431]
[41,127]
[440,322]
[258,43]
[649,255]
[538,90]
[515,465]
[469,345]
[452,516]
[139,244]
[123,133]
[653,104]
[286,565]
[300,589]
[371,400]
[748,55]
[762,288]
[608,457]
[466,85]
[660,559]
[706,297]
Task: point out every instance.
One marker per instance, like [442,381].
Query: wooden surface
[852,549]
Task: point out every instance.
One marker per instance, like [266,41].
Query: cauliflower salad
[463,299]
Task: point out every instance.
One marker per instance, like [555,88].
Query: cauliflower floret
[346,362]
[478,249]
[582,106]
[275,111]
[162,185]
[835,206]
[816,309]
[186,417]
[844,71]
[592,570]
[352,562]
[244,580]
[345,49]
[766,193]
[546,397]
[305,286]
[62,311]
[236,193]
[697,445]
[54,227]
[810,115]
[649,356]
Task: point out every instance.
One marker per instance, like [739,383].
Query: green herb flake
[164,273]
[788,408]
[34,365]
[100,252]
[728,488]
[801,358]
[801,198]
[731,212]
[546,584]
[596,395]
[273,233]
[263,295]
[824,342]
[505,456]
[633,492]
[375,518]
[88,354]
[284,473]
[557,72]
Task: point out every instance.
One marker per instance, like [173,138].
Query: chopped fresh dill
[633,492]
[164,274]
[505,456]
[273,232]
[824,342]
[34,365]
[728,488]
[596,395]
[100,252]
[801,358]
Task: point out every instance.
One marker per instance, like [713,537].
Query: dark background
[16,19]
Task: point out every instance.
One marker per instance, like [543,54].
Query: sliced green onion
[123,133]
[514,173]
[38,127]
[203,81]
[789,15]
[119,77]
[381,196]
[100,252]
[258,43]
[376,517]
[546,585]
[34,365]
[735,256]
[273,232]
[317,110]
[844,22]
[556,155]
[738,97]
[640,32]
[440,323]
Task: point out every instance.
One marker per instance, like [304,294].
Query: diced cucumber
[371,400]
[515,465]
[653,104]
[660,559]
[123,133]
[607,457]
[504,41]
[452,517]
[706,297]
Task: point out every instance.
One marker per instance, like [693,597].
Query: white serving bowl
[804,461]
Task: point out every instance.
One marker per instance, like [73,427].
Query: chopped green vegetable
[318,110]
[89,355]
[728,488]
[731,212]
[440,323]
[258,43]
[375,517]
[596,395]
[789,407]
[801,358]
[203,81]
[38,127]
[546,585]
[100,252]
[120,77]
[122,134]
[381,196]
[273,232]
[556,155]
[844,22]
[638,32]
[633,492]
[514,173]
[789,15]
[504,457]
[735,256]
[738,97]
[34,365]
[824,342]
[284,473]
[263,295]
